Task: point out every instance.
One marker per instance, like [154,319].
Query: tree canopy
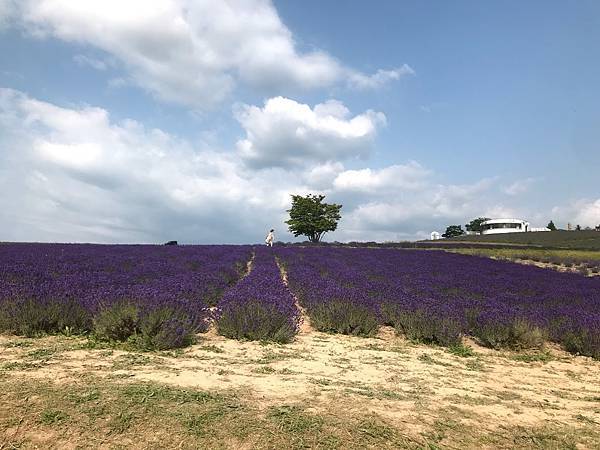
[312,218]
[475,224]
[551,226]
[453,231]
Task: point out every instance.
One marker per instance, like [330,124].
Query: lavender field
[439,297]
[161,293]
[161,297]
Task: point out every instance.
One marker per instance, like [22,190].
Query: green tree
[551,226]
[475,224]
[312,218]
[453,231]
[578,228]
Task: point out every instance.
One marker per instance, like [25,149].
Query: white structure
[497,226]
[435,236]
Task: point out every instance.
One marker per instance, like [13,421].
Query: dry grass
[322,391]
[585,262]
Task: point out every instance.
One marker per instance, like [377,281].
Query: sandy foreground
[426,396]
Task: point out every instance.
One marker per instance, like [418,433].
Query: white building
[435,235]
[497,226]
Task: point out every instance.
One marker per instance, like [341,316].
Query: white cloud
[520,186]
[379,79]
[285,133]
[410,176]
[588,214]
[97,64]
[194,52]
[8,9]
[323,175]
[502,212]
[584,212]
[73,174]
[390,213]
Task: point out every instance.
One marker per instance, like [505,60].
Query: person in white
[270,238]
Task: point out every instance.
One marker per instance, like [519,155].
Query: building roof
[503,221]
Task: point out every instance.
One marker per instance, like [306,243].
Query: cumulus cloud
[588,213]
[75,174]
[584,212]
[393,211]
[193,52]
[379,79]
[285,133]
[322,176]
[410,176]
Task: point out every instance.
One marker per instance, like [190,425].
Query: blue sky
[195,121]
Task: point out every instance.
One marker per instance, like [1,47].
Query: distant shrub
[256,321]
[337,316]
[421,326]
[33,317]
[515,334]
[117,322]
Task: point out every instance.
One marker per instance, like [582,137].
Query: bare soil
[425,395]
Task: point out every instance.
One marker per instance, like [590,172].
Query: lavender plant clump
[259,307]
[437,297]
[157,296]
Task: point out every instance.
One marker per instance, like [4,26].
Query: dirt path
[305,326]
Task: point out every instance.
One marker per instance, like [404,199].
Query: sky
[194,120]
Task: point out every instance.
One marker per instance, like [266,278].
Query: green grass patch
[294,419]
[53,416]
[576,240]
[464,351]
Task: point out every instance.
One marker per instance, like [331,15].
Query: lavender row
[437,296]
[260,306]
[333,304]
[117,289]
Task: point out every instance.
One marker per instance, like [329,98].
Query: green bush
[517,334]
[31,317]
[419,326]
[165,328]
[117,322]
[344,317]
[582,342]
